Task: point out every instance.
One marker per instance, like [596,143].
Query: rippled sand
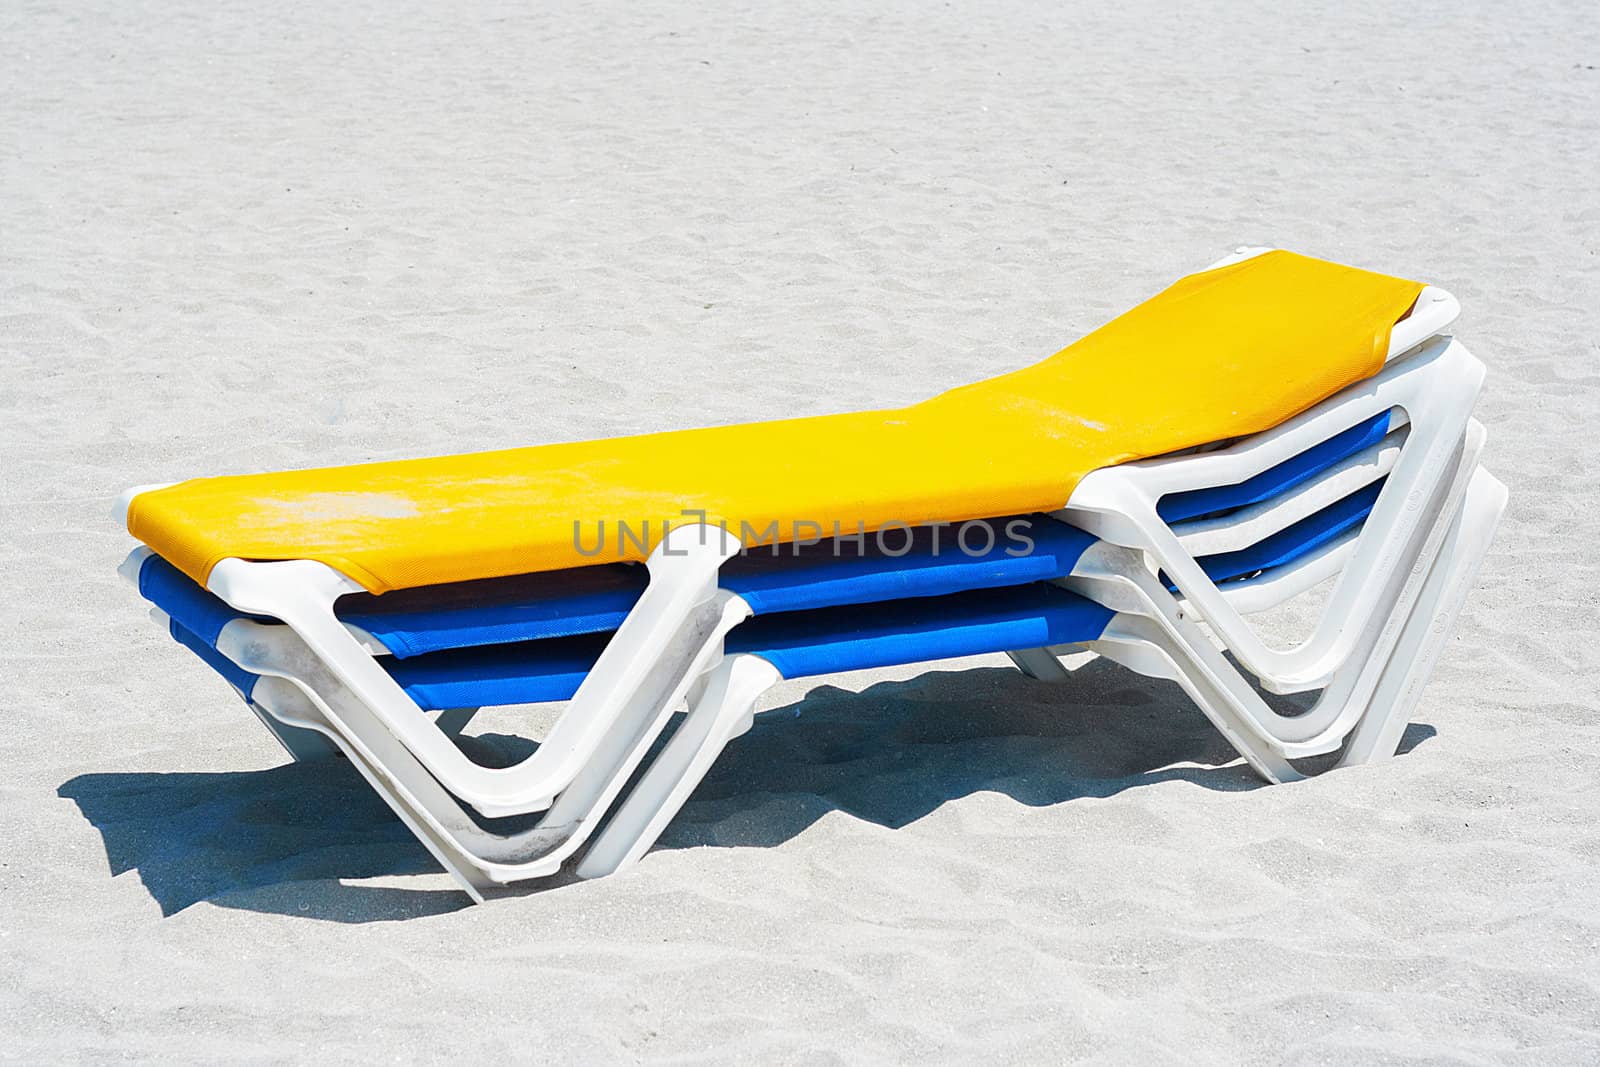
[240,236]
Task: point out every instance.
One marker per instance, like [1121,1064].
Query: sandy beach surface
[244,235]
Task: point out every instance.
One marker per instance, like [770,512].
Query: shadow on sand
[888,755]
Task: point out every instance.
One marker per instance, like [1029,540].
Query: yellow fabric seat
[1220,354]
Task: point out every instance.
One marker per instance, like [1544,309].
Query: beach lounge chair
[1127,640]
[1287,541]
[803,643]
[662,640]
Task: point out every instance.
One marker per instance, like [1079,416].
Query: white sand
[234,237]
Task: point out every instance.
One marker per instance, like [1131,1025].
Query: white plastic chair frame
[315,704]
[727,706]
[680,615]
[481,860]
[1109,575]
[302,594]
[302,695]
[1434,389]
[724,704]
[1120,579]
[297,694]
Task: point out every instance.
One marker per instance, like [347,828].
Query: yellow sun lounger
[1221,354]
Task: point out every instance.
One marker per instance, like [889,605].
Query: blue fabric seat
[829,640]
[234,674]
[561,620]
[925,561]
[1193,503]
[415,622]
[799,644]
[1293,542]
[196,610]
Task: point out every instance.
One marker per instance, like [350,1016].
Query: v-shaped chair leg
[1432,621]
[724,711]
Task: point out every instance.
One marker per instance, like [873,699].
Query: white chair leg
[1433,619]
[282,701]
[1169,646]
[1118,579]
[1141,645]
[679,615]
[724,712]
[405,783]
[1436,390]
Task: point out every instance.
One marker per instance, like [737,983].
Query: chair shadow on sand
[889,755]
